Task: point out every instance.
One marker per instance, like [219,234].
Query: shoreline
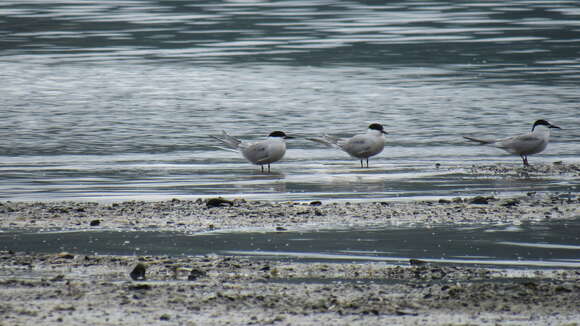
[71,289]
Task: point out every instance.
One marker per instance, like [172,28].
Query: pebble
[138,273]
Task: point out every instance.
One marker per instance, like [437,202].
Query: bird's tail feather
[325,140]
[229,141]
[481,141]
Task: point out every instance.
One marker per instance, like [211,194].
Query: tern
[361,146]
[260,153]
[523,145]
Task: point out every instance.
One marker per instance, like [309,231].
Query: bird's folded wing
[520,141]
[257,153]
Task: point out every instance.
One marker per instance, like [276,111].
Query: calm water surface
[114,100]
[543,244]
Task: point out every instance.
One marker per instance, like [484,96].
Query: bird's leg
[268,167]
[262,166]
[524,159]
[367,162]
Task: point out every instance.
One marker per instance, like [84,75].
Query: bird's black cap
[543,122]
[378,127]
[280,134]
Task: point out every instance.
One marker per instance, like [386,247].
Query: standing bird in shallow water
[260,153]
[360,146]
[523,145]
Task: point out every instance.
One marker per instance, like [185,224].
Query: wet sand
[71,289]
[66,289]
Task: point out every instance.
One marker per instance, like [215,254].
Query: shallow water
[545,244]
[113,100]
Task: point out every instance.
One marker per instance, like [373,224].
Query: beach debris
[138,272]
[218,202]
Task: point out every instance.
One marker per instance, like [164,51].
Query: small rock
[140,287]
[138,272]
[315,203]
[218,202]
[417,262]
[406,312]
[511,203]
[65,255]
[95,223]
[481,200]
[444,201]
[57,278]
[281,228]
[195,274]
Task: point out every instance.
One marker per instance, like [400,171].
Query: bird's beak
[553,126]
[289,137]
[385,133]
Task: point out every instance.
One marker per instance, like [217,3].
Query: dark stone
[511,203]
[195,274]
[95,223]
[481,200]
[315,203]
[140,287]
[138,272]
[218,202]
[417,262]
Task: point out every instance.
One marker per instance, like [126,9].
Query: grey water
[539,245]
[112,100]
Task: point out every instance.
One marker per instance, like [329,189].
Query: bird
[523,145]
[265,152]
[361,146]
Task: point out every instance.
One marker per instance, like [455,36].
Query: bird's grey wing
[520,143]
[256,153]
[357,146]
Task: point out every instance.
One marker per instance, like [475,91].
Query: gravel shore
[212,214]
[71,289]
